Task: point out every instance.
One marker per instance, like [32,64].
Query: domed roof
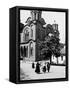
[49,26]
[42,21]
[28,20]
[49,29]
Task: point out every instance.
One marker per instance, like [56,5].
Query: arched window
[25,51]
[26,33]
[31,49]
[31,32]
[34,16]
[21,51]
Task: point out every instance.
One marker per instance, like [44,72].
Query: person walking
[44,69]
[37,70]
[48,66]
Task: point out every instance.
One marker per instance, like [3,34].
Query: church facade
[33,32]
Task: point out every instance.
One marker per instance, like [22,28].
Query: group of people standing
[39,67]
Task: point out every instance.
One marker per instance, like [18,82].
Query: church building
[33,32]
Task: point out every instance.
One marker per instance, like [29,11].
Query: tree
[53,45]
[50,46]
[57,53]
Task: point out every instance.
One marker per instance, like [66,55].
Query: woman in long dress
[48,66]
[37,70]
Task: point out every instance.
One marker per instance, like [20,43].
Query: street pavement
[28,73]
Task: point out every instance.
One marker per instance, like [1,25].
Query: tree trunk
[57,60]
[53,56]
[62,58]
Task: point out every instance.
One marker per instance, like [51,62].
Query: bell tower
[35,14]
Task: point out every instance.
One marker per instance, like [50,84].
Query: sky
[50,18]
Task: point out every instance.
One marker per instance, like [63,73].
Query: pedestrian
[48,66]
[37,70]
[33,65]
[44,69]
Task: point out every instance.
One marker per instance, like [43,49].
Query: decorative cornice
[26,42]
